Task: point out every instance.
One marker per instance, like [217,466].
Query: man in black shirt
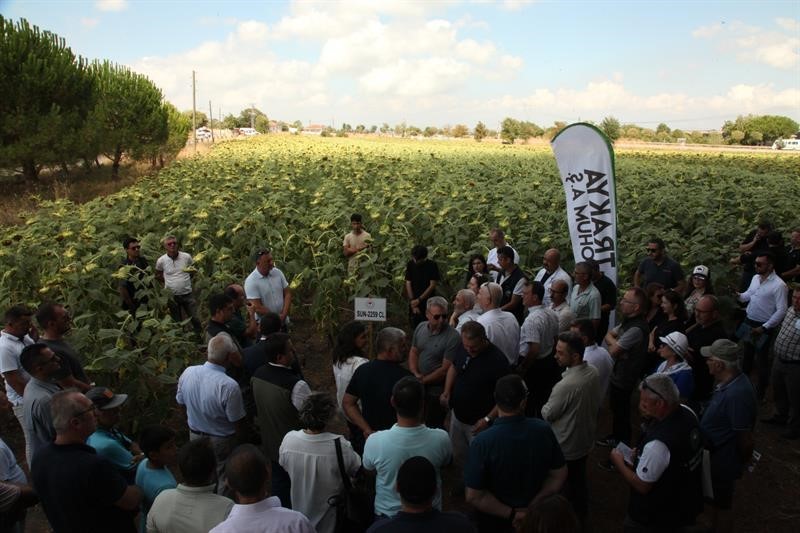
[608,297]
[133,280]
[706,329]
[422,274]
[754,243]
[659,267]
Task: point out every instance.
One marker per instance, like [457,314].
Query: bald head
[558,291]
[551,260]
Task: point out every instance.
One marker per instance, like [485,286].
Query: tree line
[59,109]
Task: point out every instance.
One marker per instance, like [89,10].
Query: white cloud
[89,23]
[777,47]
[472,50]
[516,5]
[111,5]
[252,31]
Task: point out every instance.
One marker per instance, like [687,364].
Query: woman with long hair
[476,265]
[348,354]
[675,320]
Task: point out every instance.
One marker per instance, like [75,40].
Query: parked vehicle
[786,144]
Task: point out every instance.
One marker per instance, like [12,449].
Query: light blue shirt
[268,289]
[385,451]
[213,399]
[112,445]
[152,481]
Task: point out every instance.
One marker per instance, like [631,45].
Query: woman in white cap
[673,350]
[698,286]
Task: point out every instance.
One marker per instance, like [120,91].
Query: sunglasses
[438,317]
[646,386]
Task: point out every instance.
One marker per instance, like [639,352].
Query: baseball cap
[678,342]
[723,349]
[103,398]
[700,270]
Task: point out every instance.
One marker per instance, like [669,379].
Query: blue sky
[690,64]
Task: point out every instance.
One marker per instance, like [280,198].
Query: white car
[203,133]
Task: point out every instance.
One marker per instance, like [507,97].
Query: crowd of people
[503,392]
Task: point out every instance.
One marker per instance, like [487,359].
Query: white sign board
[370,309]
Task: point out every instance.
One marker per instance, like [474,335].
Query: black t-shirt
[668,273]
[372,383]
[420,275]
[793,256]
[473,393]
[698,337]
[136,273]
[78,489]
[432,521]
[748,259]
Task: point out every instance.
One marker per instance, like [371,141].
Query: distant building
[313,129]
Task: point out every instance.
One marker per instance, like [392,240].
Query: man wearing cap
[706,329]
[266,287]
[786,371]
[433,347]
[416,485]
[673,350]
[664,472]
[659,267]
[551,272]
[79,490]
[43,365]
[727,426]
[108,440]
[213,400]
[572,413]
[766,306]
[512,464]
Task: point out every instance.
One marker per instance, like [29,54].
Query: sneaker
[775,420]
[608,442]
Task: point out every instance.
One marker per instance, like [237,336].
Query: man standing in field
[172,271]
[266,288]
[511,280]
[355,241]
[660,268]
[608,297]
[16,335]
[422,275]
[551,272]
[133,279]
[55,322]
[559,291]
[498,238]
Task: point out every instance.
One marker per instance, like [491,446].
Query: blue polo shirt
[732,410]
[512,459]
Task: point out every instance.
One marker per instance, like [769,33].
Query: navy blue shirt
[512,459]
[472,397]
[432,521]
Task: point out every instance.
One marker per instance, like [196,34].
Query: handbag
[355,505]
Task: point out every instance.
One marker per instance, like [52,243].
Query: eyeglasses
[438,317]
[646,386]
[79,414]
[651,250]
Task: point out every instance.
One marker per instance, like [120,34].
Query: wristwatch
[487,419]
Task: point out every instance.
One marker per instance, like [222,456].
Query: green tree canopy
[509,130]
[459,130]
[480,131]
[758,129]
[46,93]
[611,127]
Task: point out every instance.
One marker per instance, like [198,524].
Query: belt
[204,434]
[751,322]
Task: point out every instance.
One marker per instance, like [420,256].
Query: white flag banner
[586,164]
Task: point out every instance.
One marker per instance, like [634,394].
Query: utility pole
[194,113]
[211,121]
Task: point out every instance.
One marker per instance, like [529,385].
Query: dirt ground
[766,500]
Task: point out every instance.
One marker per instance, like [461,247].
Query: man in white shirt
[14,337]
[173,269]
[537,366]
[498,238]
[551,272]
[213,400]
[192,506]
[584,298]
[502,328]
[248,476]
[463,309]
[595,355]
[767,300]
[266,288]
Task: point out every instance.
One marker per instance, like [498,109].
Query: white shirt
[310,460]
[176,280]
[213,400]
[467,316]
[268,289]
[10,349]
[343,373]
[540,326]
[266,516]
[767,301]
[558,274]
[565,316]
[601,360]
[187,509]
[502,329]
[491,259]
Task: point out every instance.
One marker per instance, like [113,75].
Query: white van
[786,144]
